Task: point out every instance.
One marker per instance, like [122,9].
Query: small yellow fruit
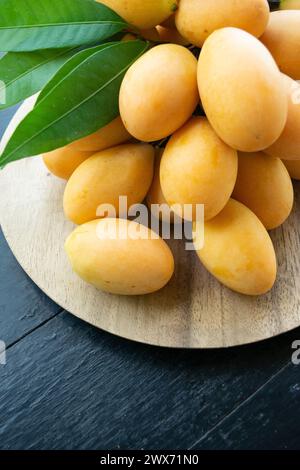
[264,185]
[240,89]
[128,37]
[287,146]
[64,161]
[198,168]
[238,250]
[159,92]
[282,38]
[197,19]
[120,257]
[126,170]
[110,135]
[143,14]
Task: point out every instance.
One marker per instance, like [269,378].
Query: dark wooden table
[67,385]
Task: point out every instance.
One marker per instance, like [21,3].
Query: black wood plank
[68,385]
[268,420]
[23,306]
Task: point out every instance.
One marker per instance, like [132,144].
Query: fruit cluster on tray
[207,115]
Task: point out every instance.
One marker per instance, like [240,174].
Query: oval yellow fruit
[293,167]
[120,257]
[126,170]
[128,37]
[143,14]
[159,92]
[241,90]
[197,19]
[282,38]
[287,146]
[198,168]
[64,161]
[238,250]
[110,135]
[264,186]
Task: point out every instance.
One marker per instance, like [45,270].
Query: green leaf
[69,68]
[22,74]
[29,25]
[79,100]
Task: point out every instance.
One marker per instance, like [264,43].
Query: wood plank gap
[11,345]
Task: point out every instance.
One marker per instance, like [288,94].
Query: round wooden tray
[193,311]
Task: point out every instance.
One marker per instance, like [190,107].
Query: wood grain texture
[70,386]
[193,311]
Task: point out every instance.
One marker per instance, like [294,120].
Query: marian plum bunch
[209,115]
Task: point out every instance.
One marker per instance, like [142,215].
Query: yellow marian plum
[282,38]
[159,92]
[264,185]
[143,14]
[110,135]
[63,162]
[126,170]
[241,90]
[197,19]
[287,146]
[120,256]
[128,37]
[198,168]
[238,250]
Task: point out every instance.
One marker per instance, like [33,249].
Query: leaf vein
[75,23]
[70,111]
